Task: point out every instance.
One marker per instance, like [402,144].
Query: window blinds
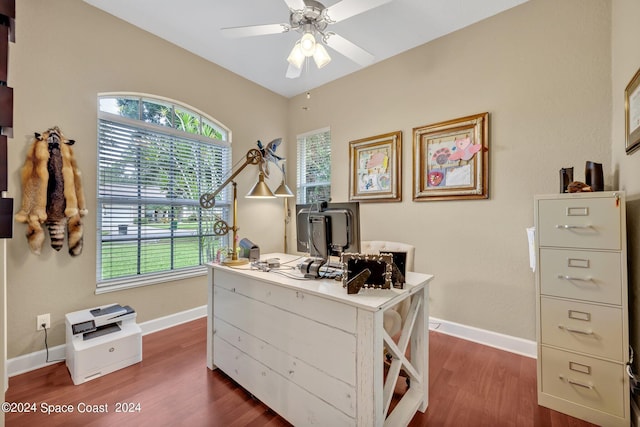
[314,166]
[149,184]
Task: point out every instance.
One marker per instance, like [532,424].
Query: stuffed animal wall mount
[52,193]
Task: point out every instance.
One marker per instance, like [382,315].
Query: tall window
[314,166]
[155,159]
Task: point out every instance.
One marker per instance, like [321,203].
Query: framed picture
[375,168]
[632,114]
[366,271]
[451,160]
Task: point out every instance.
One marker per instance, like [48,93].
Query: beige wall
[625,63]
[66,53]
[542,70]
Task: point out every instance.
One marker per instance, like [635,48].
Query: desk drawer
[322,346]
[582,222]
[323,310]
[586,328]
[586,381]
[584,275]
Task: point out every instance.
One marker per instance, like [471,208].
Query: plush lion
[52,193]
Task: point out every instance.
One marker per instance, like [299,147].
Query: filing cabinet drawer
[580,223]
[583,275]
[586,381]
[586,328]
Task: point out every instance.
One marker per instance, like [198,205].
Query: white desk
[313,353]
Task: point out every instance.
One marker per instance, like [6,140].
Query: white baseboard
[37,359]
[175,319]
[29,362]
[482,336]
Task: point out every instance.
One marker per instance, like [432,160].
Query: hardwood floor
[470,385]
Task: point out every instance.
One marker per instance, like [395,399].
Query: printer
[101,340]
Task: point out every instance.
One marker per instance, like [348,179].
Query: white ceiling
[384,31]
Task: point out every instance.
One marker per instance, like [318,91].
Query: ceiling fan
[312,18]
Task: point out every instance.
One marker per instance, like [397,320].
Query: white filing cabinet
[581,300]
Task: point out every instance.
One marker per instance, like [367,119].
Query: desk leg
[369,369]
[210,325]
[420,346]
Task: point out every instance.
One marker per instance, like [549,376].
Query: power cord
[46,346]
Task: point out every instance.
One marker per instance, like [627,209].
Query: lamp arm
[253,157]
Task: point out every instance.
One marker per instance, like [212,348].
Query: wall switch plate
[43,319]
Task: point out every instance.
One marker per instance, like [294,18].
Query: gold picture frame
[451,159]
[375,165]
[632,114]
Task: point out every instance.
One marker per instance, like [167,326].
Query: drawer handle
[571,278]
[571,227]
[577,383]
[577,331]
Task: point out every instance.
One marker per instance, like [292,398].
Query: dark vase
[566,177]
[593,176]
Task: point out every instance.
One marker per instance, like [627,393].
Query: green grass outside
[120,259]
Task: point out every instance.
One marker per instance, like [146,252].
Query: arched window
[156,158]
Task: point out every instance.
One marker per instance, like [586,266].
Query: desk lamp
[259,191]
[284,192]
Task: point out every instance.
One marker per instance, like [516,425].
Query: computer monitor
[328,229]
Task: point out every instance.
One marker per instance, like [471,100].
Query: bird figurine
[269,154]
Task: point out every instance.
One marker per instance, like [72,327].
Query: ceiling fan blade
[350,50]
[293,72]
[295,4]
[348,8]
[255,30]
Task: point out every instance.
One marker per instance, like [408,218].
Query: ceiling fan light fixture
[308,44]
[296,57]
[320,56]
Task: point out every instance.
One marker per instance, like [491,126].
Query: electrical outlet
[43,319]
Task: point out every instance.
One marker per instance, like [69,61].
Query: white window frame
[301,183]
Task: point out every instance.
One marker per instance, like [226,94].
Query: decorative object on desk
[52,193]
[578,187]
[632,114]
[310,267]
[380,267]
[376,168]
[249,250]
[566,177]
[397,277]
[259,191]
[593,176]
[450,159]
[358,281]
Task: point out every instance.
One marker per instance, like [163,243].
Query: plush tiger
[52,193]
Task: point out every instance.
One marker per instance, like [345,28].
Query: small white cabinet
[313,353]
[582,310]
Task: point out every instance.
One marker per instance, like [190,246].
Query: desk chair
[395,316]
